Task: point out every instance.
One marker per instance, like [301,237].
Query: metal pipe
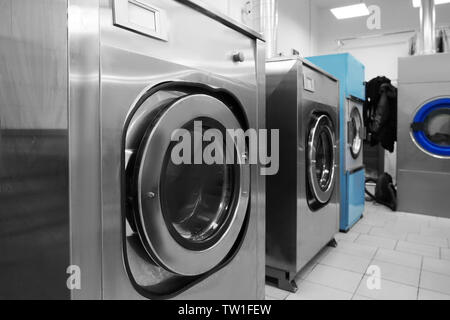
[268,21]
[428,27]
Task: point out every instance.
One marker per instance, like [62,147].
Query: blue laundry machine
[351,74]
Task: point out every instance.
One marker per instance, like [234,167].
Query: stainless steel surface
[63,155]
[268,18]
[85,146]
[295,231]
[354,147]
[34,212]
[422,177]
[206,9]
[141,16]
[182,58]
[427,27]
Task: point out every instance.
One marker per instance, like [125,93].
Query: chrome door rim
[154,232]
[356,146]
[322,196]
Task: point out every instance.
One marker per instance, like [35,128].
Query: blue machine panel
[351,75]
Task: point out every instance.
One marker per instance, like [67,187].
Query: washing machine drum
[188,210]
[431,128]
[355,133]
[322,158]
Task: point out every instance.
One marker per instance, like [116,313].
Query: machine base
[333,243]
[281,279]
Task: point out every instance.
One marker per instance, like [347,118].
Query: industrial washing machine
[351,75]
[92,93]
[303,198]
[423,174]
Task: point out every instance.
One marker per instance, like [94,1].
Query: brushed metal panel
[85,146]
[424,192]
[424,69]
[260,251]
[34,215]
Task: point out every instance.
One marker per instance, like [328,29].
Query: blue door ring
[418,130]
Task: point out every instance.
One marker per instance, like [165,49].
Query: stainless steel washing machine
[303,198]
[424,135]
[89,116]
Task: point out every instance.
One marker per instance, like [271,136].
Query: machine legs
[333,243]
[281,279]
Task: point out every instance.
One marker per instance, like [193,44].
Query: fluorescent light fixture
[353,11]
[418,3]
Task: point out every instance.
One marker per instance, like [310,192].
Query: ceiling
[333,3]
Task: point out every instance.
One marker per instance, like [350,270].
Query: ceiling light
[353,11]
[418,3]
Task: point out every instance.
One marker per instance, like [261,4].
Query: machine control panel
[142,17]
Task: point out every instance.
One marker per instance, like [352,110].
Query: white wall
[296,25]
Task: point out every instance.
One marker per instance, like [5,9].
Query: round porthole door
[431,128]
[322,158]
[355,132]
[189,210]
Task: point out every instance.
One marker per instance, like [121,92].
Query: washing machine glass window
[437,127]
[431,128]
[197,198]
[322,158]
[355,133]
[189,214]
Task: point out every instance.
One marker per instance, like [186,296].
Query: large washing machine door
[431,128]
[189,214]
[355,132]
[322,158]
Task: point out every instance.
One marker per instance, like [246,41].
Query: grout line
[420,277]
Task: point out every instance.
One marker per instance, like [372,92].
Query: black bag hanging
[380,113]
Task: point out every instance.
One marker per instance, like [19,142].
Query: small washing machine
[423,174]
[303,198]
[351,75]
[89,149]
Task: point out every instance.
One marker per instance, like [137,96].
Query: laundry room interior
[225,150]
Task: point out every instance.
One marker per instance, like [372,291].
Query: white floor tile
[357,250]
[431,295]
[420,249]
[276,293]
[445,254]
[435,232]
[435,282]
[346,262]
[429,241]
[389,291]
[397,273]
[374,221]
[377,242]
[312,291]
[350,236]
[389,233]
[335,278]
[362,228]
[303,274]
[436,266]
[399,258]
[440,223]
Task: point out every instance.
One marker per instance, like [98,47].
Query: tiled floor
[410,252]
